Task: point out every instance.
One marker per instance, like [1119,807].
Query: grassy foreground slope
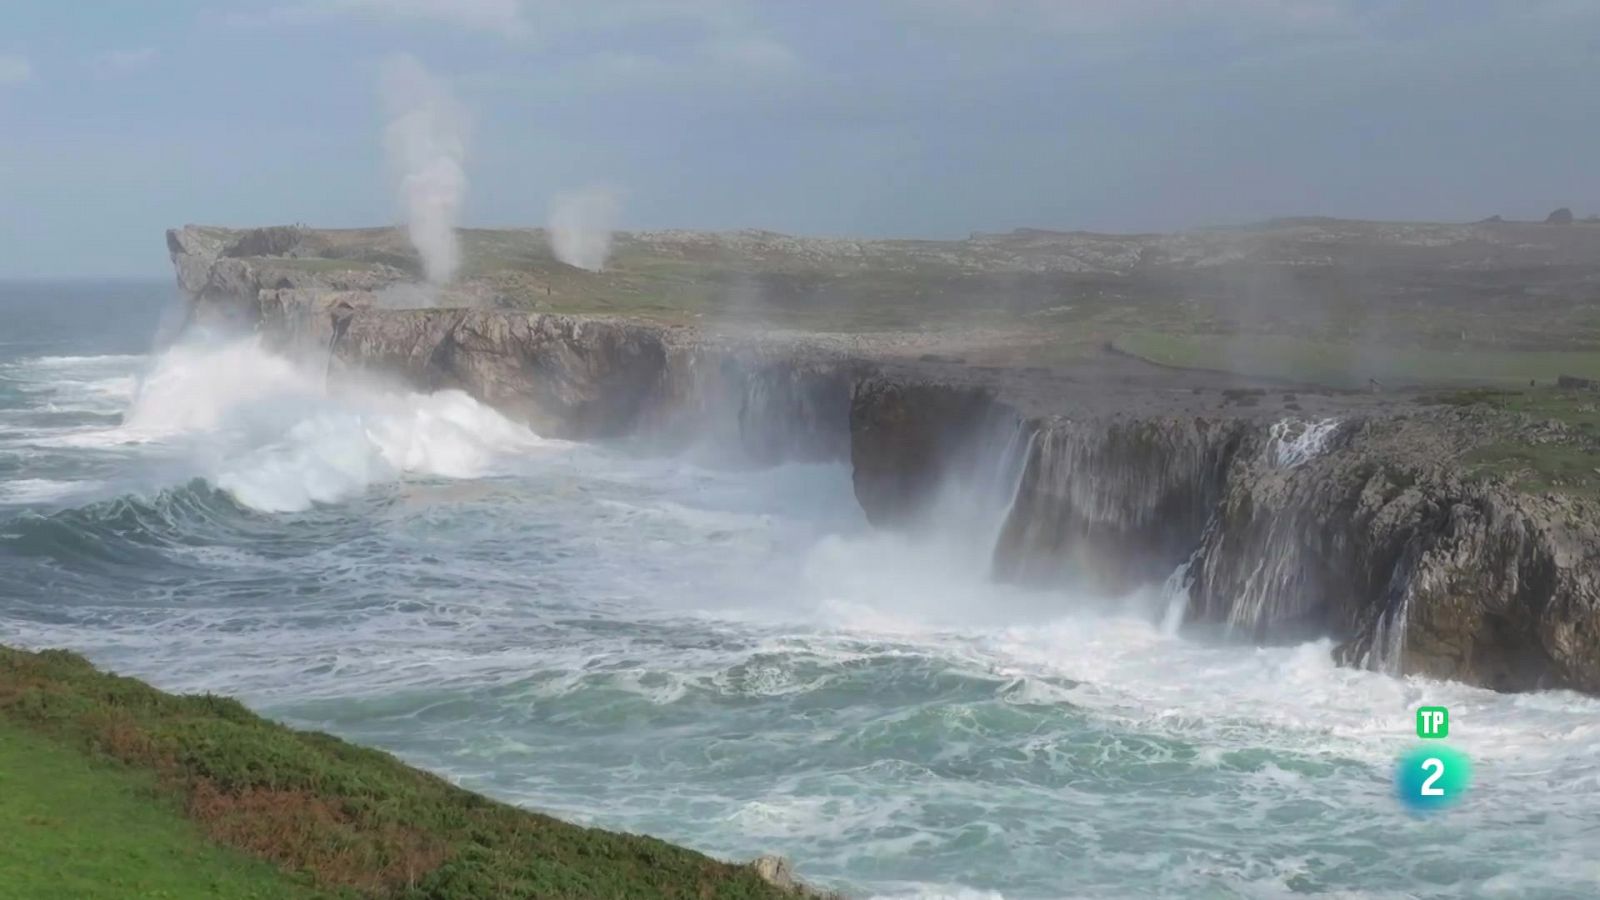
[72,826]
[109,787]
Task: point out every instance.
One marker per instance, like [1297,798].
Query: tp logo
[1433,722]
[1432,777]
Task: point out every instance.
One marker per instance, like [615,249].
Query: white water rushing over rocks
[1295,442]
[733,660]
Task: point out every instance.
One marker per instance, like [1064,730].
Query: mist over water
[732,659]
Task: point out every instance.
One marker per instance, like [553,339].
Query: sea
[725,656]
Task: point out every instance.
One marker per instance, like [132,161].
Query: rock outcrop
[1275,531]
[566,376]
[778,871]
[1115,504]
[908,439]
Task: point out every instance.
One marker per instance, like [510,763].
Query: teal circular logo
[1429,779]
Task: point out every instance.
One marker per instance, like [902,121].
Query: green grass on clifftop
[1555,449]
[109,785]
[1338,363]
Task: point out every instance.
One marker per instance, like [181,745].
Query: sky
[928,118]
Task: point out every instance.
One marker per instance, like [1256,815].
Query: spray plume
[426,142]
[580,226]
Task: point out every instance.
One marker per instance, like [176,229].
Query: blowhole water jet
[426,143]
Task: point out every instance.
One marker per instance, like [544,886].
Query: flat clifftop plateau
[1309,317]
[1343,300]
[355,291]
[1444,523]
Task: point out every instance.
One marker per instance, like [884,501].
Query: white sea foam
[42,490]
[278,439]
[110,359]
[68,384]
[1293,442]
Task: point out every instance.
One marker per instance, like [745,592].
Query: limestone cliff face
[1505,592]
[1418,569]
[1264,529]
[1115,505]
[566,376]
[908,439]
[1274,531]
[765,405]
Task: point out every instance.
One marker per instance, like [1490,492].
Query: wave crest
[277,438]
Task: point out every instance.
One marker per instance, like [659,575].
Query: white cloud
[714,43]
[497,16]
[752,52]
[14,69]
[521,18]
[1099,17]
[127,60]
[558,16]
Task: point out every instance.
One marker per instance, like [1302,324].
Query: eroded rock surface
[1364,529]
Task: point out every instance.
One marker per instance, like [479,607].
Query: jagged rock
[566,377]
[779,872]
[1562,216]
[1507,595]
[193,250]
[1361,531]
[1115,504]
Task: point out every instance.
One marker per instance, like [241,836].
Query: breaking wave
[274,437]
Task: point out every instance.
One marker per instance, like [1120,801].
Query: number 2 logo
[1436,766]
[1428,779]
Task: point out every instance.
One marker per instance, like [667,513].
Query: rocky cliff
[1346,518]
[580,377]
[1363,529]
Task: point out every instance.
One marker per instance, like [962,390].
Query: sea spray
[1174,598]
[426,143]
[580,226]
[274,436]
[1293,442]
[1387,653]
